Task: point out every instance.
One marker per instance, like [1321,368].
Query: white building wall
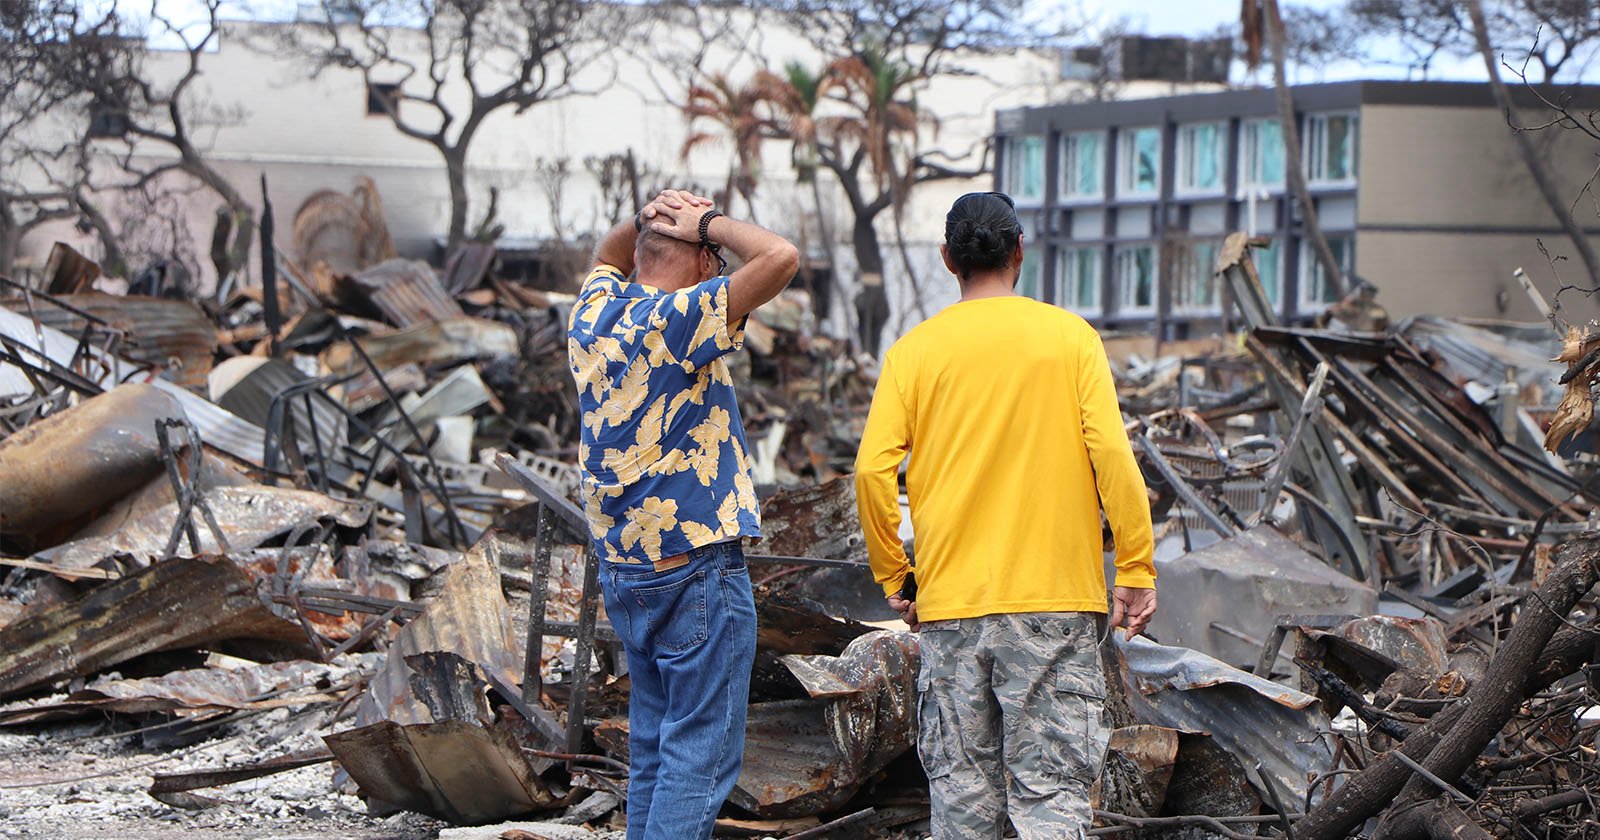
[265,113]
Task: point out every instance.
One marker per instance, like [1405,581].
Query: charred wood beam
[1448,742]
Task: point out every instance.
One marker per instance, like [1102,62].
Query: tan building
[1418,185]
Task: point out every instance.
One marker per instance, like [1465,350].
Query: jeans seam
[708,810]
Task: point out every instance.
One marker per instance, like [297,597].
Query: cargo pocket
[933,722]
[675,612]
[1080,733]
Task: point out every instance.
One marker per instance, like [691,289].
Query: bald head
[666,262]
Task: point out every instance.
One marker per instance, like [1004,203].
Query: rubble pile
[343,506]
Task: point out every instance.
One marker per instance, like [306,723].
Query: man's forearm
[770,262]
[616,247]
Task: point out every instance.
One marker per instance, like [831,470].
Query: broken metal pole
[532,679]
[1280,471]
[588,612]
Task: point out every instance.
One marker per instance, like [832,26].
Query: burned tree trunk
[1448,742]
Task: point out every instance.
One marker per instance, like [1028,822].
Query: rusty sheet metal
[201,690]
[791,766]
[99,367]
[174,604]
[1255,719]
[175,337]
[1417,644]
[872,692]
[1243,583]
[454,340]
[157,493]
[219,427]
[250,515]
[406,292]
[453,770]
[469,617]
[67,465]
[816,521]
[248,386]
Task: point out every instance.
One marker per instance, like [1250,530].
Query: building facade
[1418,187]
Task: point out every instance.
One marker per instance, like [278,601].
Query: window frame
[1315,148]
[1311,269]
[1250,143]
[1014,143]
[1183,166]
[1066,278]
[1183,279]
[1125,306]
[1127,154]
[377,92]
[1066,170]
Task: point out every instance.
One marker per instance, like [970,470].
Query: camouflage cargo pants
[1010,723]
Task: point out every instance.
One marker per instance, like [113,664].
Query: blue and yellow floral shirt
[663,449]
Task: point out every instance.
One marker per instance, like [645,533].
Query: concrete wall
[1447,211]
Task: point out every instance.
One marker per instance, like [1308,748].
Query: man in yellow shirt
[1007,408]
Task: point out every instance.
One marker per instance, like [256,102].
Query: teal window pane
[1207,174]
[1089,164]
[1269,137]
[1147,158]
[1340,147]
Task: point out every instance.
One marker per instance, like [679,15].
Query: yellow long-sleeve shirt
[1008,411]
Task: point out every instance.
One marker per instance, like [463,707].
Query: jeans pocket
[675,612]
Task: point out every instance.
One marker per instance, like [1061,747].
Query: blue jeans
[690,636]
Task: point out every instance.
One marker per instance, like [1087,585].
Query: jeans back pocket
[675,612]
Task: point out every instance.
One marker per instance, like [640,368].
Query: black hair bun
[981,232]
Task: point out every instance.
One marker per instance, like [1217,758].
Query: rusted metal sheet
[250,515]
[406,292]
[200,690]
[454,770]
[174,604]
[174,337]
[468,617]
[814,521]
[67,465]
[1255,719]
[872,692]
[248,386]
[1417,644]
[792,766]
[441,341]
[1241,585]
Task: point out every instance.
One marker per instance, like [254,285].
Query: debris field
[303,559]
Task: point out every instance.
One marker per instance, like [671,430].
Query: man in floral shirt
[667,488]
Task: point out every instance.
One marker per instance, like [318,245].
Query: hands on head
[676,213]
[1132,608]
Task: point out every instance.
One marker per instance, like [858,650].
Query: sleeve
[884,445]
[1116,471]
[693,324]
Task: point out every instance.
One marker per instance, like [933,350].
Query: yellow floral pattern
[662,450]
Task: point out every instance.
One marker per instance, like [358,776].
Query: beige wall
[1458,172]
[1460,166]
[1463,275]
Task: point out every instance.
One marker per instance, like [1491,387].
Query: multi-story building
[1418,186]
